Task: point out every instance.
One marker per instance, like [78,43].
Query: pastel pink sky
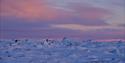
[84,19]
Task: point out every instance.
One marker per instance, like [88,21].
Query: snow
[61,51]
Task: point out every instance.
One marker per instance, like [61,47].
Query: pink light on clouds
[40,9]
[31,9]
[110,40]
[72,18]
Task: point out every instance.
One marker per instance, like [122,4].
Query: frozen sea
[61,51]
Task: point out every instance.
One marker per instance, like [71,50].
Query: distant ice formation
[61,51]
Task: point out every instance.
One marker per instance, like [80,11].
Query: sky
[81,19]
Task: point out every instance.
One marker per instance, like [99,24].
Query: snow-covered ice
[61,51]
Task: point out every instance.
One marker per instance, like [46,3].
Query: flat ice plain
[61,51]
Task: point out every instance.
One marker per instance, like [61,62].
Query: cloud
[83,27]
[116,7]
[110,11]
[30,9]
[56,18]
[117,19]
[37,9]
[26,9]
[90,12]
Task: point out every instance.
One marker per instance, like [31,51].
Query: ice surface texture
[64,51]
